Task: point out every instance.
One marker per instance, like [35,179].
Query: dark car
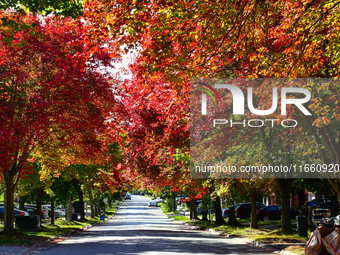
[16,212]
[243,211]
[31,210]
[225,211]
[325,211]
[308,204]
[273,212]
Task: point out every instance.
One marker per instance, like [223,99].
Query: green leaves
[67,8]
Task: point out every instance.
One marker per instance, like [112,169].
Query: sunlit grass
[182,218]
[49,231]
[266,233]
[166,211]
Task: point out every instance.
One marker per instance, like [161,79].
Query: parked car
[273,212]
[46,210]
[32,210]
[16,212]
[225,211]
[64,210]
[199,208]
[57,212]
[128,196]
[142,194]
[308,204]
[325,212]
[153,203]
[243,210]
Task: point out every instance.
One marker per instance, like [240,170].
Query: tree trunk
[22,201]
[253,217]
[95,207]
[174,205]
[91,202]
[81,201]
[218,212]
[69,208]
[332,146]
[10,180]
[39,201]
[98,205]
[284,187]
[301,197]
[205,199]
[204,213]
[52,211]
[232,221]
[9,202]
[193,210]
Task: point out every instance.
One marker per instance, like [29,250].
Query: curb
[262,245]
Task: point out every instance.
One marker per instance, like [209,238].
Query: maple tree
[156,125]
[54,98]
[180,40]
[157,132]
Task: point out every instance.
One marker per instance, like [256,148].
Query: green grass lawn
[267,232]
[110,211]
[166,211]
[262,234]
[182,218]
[49,231]
[265,223]
[29,237]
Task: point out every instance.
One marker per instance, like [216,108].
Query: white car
[159,200]
[57,213]
[153,203]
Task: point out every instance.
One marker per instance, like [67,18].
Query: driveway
[138,229]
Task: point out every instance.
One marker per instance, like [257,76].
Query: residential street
[138,229]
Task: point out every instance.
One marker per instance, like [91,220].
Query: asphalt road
[138,229]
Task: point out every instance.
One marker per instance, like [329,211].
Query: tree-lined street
[139,229]
[246,91]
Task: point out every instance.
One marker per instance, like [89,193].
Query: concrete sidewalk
[276,248]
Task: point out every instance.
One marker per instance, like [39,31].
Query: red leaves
[53,94]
